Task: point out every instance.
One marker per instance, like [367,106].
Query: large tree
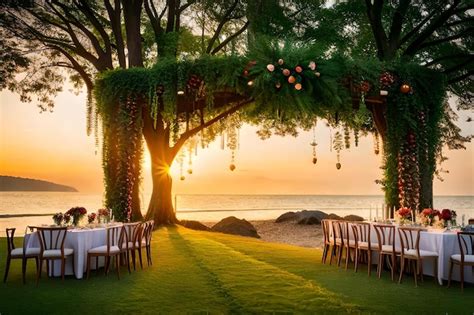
[43,42]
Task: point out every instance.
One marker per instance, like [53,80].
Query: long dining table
[443,242]
[80,240]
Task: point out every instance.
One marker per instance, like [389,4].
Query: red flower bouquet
[91,218]
[58,218]
[403,215]
[104,215]
[77,213]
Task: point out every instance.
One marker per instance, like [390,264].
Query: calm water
[211,207]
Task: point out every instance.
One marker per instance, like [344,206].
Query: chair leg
[133,260]
[415,271]
[356,260]
[140,257]
[379,266]
[461,266]
[333,252]
[148,254]
[107,264]
[435,269]
[117,265]
[127,256]
[97,265]
[88,266]
[369,262]
[37,263]
[63,267]
[38,275]
[73,266]
[450,272]
[323,258]
[402,269]
[7,268]
[394,266]
[23,269]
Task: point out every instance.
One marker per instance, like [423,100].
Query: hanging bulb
[180,92]
[338,165]
[232,167]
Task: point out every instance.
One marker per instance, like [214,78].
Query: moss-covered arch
[176,100]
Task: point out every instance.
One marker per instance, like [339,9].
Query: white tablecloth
[445,243]
[81,241]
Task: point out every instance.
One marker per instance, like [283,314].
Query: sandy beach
[287,232]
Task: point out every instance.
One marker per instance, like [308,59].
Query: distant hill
[10,183]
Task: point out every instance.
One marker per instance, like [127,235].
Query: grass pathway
[212,273]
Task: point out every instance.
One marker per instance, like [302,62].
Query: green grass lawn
[202,272]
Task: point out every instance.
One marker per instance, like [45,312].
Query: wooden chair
[22,253]
[386,242]
[133,233]
[410,250]
[363,244]
[328,240]
[470,221]
[338,239]
[349,242]
[116,237]
[147,235]
[52,248]
[466,258]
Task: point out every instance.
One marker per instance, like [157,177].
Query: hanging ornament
[180,92]
[347,137]
[383,92]
[222,141]
[386,79]
[376,143]
[314,144]
[281,61]
[278,85]
[270,67]
[365,86]
[291,79]
[190,156]
[250,83]
[298,86]
[286,72]
[312,65]
[337,144]
[232,167]
[317,74]
[181,161]
[356,137]
[405,88]
[298,69]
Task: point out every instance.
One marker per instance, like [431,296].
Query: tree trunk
[161,208]
[131,13]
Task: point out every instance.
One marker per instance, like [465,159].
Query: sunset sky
[54,147]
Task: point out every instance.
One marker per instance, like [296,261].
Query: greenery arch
[282,88]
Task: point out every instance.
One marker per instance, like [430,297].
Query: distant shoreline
[21,184]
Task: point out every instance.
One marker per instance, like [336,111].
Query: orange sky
[54,147]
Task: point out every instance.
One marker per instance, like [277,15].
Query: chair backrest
[410,238]
[338,230]
[470,221]
[52,238]
[148,231]
[10,236]
[385,235]
[29,231]
[361,232]
[116,236]
[466,243]
[326,225]
[132,230]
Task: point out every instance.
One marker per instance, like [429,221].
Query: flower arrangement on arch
[91,218]
[403,215]
[58,218]
[77,213]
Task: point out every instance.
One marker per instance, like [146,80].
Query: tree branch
[461,77]
[374,13]
[231,37]
[186,135]
[427,32]
[75,64]
[116,25]
[219,28]
[397,23]
[446,39]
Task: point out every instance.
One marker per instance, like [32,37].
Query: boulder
[353,217]
[288,216]
[232,225]
[309,221]
[333,216]
[194,225]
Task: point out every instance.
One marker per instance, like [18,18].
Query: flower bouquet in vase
[403,216]
[427,216]
[77,213]
[104,215]
[448,217]
[58,218]
[91,218]
[66,218]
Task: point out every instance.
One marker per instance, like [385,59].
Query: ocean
[210,207]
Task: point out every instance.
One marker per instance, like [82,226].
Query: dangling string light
[222,141]
[314,144]
[233,139]
[376,142]
[181,162]
[338,145]
[190,155]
